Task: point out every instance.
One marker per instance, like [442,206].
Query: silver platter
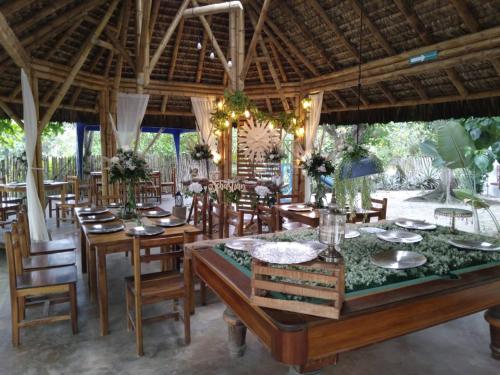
[145,231]
[146,206]
[170,222]
[105,228]
[474,245]
[415,224]
[399,236]
[299,207]
[93,210]
[100,218]
[157,213]
[284,252]
[351,234]
[398,260]
[372,230]
[244,244]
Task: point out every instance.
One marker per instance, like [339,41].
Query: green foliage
[485,132]
[128,166]
[317,165]
[201,151]
[10,132]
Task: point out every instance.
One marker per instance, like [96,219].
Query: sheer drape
[202,109]
[311,128]
[130,112]
[36,217]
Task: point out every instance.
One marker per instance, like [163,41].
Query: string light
[220,105]
[300,132]
[247,113]
[306,103]
[227,123]
[271,125]
[233,115]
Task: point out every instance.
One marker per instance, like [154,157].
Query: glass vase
[129,202]
[320,194]
[332,227]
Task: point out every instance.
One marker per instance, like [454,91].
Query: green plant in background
[455,148]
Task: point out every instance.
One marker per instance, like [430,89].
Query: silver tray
[146,206]
[284,252]
[372,230]
[100,218]
[351,234]
[243,244]
[157,213]
[474,245]
[93,210]
[105,228]
[170,222]
[145,231]
[399,236]
[398,260]
[415,224]
[299,207]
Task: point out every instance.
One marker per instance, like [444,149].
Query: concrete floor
[458,347]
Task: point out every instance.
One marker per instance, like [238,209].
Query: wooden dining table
[20,187]
[96,247]
[311,216]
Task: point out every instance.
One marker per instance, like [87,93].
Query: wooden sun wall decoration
[255,138]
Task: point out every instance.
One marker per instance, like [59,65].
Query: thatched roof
[312,44]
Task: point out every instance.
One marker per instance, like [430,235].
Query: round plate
[100,218]
[93,210]
[351,234]
[105,228]
[399,236]
[243,244]
[415,224]
[146,206]
[170,222]
[157,213]
[398,260]
[299,207]
[372,230]
[284,252]
[474,245]
[114,205]
[145,231]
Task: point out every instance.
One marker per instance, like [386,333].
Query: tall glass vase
[129,202]
[320,193]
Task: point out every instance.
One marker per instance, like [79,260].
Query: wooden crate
[294,282]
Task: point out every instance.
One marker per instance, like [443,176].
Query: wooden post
[108,143]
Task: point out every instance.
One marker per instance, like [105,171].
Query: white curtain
[130,112]
[36,217]
[311,128]
[202,109]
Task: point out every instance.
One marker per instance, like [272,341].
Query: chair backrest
[14,257]
[23,233]
[141,243]
[235,218]
[75,186]
[287,198]
[216,211]
[200,207]
[382,209]
[268,216]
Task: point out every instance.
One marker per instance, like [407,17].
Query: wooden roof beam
[11,7]
[79,63]
[201,59]
[168,34]
[118,46]
[13,46]
[496,65]
[164,102]
[255,38]
[263,80]
[206,10]
[9,112]
[466,15]
[277,60]
[272,40]
[175,52]
[48,10]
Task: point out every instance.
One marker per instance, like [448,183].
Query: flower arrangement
[128,167]
[195,188]
[317,165]
[274,154]
[201,151]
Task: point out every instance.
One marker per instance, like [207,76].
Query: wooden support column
[108,142]
[38,160]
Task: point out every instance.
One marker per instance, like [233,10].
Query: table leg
[492,316]
[236,333]
[293,370]
[103,292]
[83,250]
[92,272]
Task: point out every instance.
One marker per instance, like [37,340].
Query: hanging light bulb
[271,125]
[246,113]
[220,105]
[306,103]
[229,64]
[198,46]
[300,132]
[212,55]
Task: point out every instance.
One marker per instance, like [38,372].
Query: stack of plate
[105,228]
[145,231]
[93,210]
[299,207]
[415,224]
[156,213]
[399,236]
[146,206]
[170,222]
[99,218]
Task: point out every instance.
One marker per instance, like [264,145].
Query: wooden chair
[266,216]
[378,211]
[215,218]
[95,188]
[170,185]
[145,289]
[152,188]
[200,211]
[57,197]
[44,247]
[59,282]
[233,218]
[67,206]
[29,262]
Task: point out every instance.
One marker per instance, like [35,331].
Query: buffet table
[379,309]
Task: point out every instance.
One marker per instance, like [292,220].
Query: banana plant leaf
[454,144]
[471,199]
[430,148]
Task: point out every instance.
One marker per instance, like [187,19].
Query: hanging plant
[201,151]
[357,161]
[236,102]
